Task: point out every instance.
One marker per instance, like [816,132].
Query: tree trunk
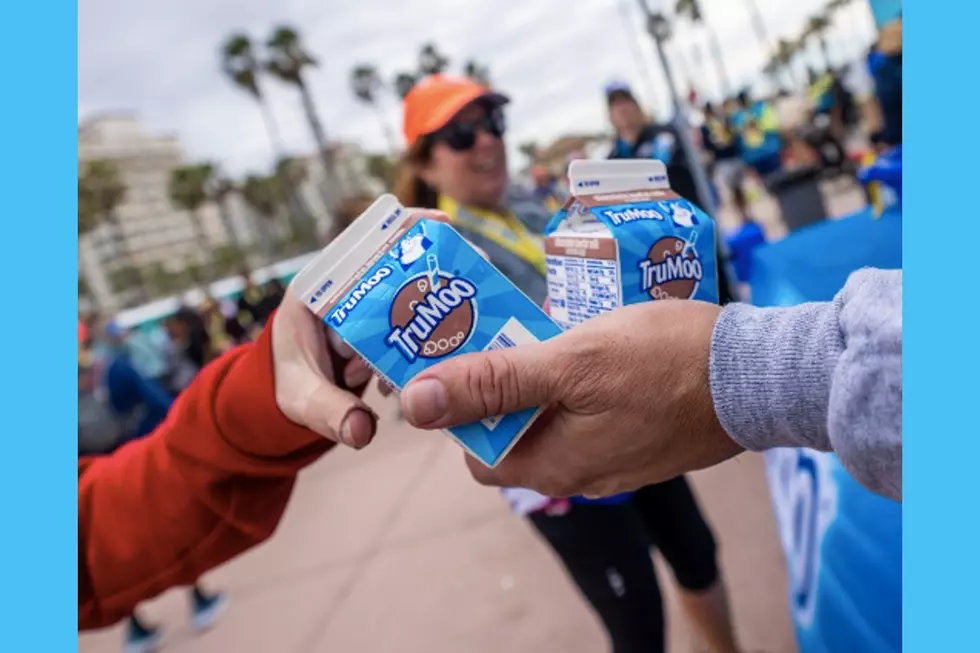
[266,238]
[719,57]
[227,223]
[389,133]
[697,67]
[203,244]
[759,25]
[278,149]
[271,127]
[824,52]
[320,136]
[120,249]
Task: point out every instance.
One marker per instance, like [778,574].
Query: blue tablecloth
[843,544]
[813,263]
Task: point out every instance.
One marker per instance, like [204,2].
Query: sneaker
[206,610]
[141,640]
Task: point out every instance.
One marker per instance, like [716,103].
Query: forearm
[826,376]
[210,483]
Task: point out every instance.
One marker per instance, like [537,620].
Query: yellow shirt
[502,229]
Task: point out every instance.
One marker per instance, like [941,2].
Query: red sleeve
[212,481]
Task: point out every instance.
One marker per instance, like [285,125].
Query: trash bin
[798,193]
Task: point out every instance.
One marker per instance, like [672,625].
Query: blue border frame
[38,261]
[941,354]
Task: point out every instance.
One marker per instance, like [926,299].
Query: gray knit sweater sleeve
[825,376]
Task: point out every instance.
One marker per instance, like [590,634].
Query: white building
[154,231]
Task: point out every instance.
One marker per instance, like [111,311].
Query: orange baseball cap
[433,102]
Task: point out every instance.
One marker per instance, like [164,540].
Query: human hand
[319,380]
[628,393]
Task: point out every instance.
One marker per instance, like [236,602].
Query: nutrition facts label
[580,288]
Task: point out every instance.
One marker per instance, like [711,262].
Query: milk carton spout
[597,177]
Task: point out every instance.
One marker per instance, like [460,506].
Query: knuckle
[493,384]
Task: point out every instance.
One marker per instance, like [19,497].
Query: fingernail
[425,401]
[357,428]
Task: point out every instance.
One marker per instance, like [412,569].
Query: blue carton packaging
[624,237]
[405,293]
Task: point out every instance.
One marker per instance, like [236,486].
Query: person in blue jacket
[140,404]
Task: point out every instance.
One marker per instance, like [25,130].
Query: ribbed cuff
[771,371]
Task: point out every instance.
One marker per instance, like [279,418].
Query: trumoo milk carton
[625,237]
[405,293]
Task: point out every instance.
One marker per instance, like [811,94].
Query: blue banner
[843,544]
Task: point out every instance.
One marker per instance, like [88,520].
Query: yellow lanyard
[504,230]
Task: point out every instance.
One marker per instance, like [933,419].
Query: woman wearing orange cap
[456,162]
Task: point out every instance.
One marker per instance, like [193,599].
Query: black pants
[606,551]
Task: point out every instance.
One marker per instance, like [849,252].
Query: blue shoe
[207,609]
[141,640]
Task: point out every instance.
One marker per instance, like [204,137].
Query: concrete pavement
[395,550]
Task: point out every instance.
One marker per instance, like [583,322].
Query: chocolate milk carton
[406,293]
[624,237]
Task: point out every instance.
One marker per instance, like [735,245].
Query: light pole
[659,27]
[660,30]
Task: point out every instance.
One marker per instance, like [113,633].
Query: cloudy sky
[160,59]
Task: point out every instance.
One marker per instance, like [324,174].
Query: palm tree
[782,59]
[431,61]
[290,173]
[101,191]
[530,150]
[124,278]
[241,66]
[288,60]
[691,9]
[220,189]
[382,167]
[263,196]
[759,24]
[367,86]
[161,280]
[477,72]
[229,259]
[816,27]
[188,191]
[404,83]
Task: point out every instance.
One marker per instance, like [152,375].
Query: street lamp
[660,29]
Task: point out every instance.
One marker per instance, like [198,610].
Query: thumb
[475,386]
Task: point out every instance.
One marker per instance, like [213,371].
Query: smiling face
[625,114]
[476,176]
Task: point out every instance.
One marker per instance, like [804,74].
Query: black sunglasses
[461,136]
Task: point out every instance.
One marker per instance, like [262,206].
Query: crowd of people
[260,404]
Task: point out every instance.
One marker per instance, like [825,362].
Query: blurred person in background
[760,142]
[189,347]
[718,140]
[456,162]
[545,187]
[885,64]
[793,114]
[834,112]
[214,323]
[638,137]
[136,405]
[249,300]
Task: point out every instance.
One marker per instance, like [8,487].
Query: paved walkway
[396,550]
